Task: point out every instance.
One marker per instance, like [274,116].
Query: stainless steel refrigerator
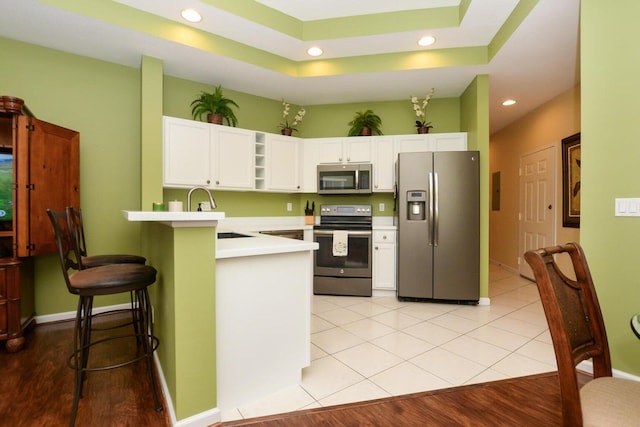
[438,198]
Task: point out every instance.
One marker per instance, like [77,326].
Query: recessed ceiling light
[426,41]
[314,51]
[508,102]
[191,15]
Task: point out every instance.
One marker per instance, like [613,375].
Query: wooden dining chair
[578,333]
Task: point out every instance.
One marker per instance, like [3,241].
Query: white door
[537,203]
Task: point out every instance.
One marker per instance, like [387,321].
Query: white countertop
[177,219]
[259,244]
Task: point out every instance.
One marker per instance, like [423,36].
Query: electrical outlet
[381,207]
[289,207]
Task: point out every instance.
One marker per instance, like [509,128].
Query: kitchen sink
[231,235]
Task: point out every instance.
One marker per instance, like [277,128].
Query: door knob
[549,207]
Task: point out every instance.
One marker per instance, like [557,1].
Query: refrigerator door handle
[436,216]
[431,202]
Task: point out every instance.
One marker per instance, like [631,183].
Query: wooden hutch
[39,169]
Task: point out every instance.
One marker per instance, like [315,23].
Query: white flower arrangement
[420,109]
[296,119]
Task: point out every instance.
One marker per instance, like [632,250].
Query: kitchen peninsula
[231,312]
[263,315]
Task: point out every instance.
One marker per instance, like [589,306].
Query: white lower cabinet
[384,259]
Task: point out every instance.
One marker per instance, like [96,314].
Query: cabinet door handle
[348,159]
[217,182]
[208,181]
[376,248]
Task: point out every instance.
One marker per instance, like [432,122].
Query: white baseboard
[202,419]
[70,315]
[484,301]
[587,366]
[505,267]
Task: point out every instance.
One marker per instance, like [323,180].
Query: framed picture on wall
[571,159]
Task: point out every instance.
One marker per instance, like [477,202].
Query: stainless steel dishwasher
[290,234]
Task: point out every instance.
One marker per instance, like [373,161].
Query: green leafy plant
[365,123]
[214,104]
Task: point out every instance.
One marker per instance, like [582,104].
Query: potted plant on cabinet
[216,106]
[422,125]
[365,123]
[287,128]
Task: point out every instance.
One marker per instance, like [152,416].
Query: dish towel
[340,243]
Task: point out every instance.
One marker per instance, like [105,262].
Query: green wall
[475,121]
[610,153]
[100,100]
[264,114]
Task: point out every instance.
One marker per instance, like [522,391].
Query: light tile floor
[368,348]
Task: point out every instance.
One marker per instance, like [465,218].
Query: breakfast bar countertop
[177,219]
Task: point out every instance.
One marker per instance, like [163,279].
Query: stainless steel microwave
[344,179]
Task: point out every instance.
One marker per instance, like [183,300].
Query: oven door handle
[349,232]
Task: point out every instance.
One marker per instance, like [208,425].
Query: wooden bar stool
[104,280]
[77,226]
[76,223]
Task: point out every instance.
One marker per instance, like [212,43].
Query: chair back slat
[67,251]
[77,226]
[575,320]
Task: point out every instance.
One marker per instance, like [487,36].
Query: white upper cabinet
[234,156]
[282,166]
[344,150]
[454,141]
[411,144]
[310,165]
[187,153]
[383,164]
[224,157]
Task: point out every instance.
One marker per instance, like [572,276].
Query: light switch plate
[627,207]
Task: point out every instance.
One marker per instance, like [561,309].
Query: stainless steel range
[342,263]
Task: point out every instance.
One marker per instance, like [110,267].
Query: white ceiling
[539,61]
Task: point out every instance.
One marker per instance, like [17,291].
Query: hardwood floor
[36,389]
[525,401]
[36,386]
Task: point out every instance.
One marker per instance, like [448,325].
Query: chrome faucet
[213,202]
